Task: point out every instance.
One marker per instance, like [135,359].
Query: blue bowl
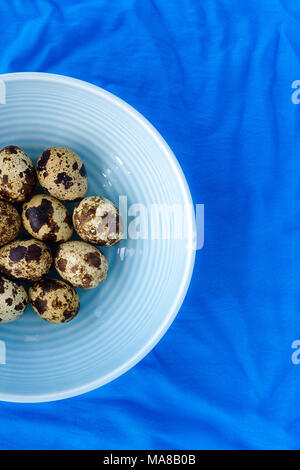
[120,321]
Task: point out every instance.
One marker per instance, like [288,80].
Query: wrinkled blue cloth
[215,77]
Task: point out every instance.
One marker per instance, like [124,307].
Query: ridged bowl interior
[121,320]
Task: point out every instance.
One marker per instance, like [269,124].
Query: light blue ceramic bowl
[121,321]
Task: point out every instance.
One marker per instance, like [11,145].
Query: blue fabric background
[214,77]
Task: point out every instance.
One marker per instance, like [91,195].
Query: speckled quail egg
[25,259]
[17,174]
[81,264]
[10,222]
[54,301]
[62,174]
[97,220]
[13,300]
[47,219]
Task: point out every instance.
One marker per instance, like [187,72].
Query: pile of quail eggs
[62,177]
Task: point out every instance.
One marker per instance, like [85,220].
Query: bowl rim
[190,226]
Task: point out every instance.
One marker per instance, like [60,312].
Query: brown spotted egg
[81,264]
[13,300]
[25,259]
[17,174]
[10,222]
[47,219]
[97,220]
[61,173]
[54,301]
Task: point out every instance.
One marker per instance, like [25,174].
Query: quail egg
[25,259]
[13,300]
[17,174]
[81,264]
[10,222]
[97,220]
[54,301]
[62,174]
[47,219]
